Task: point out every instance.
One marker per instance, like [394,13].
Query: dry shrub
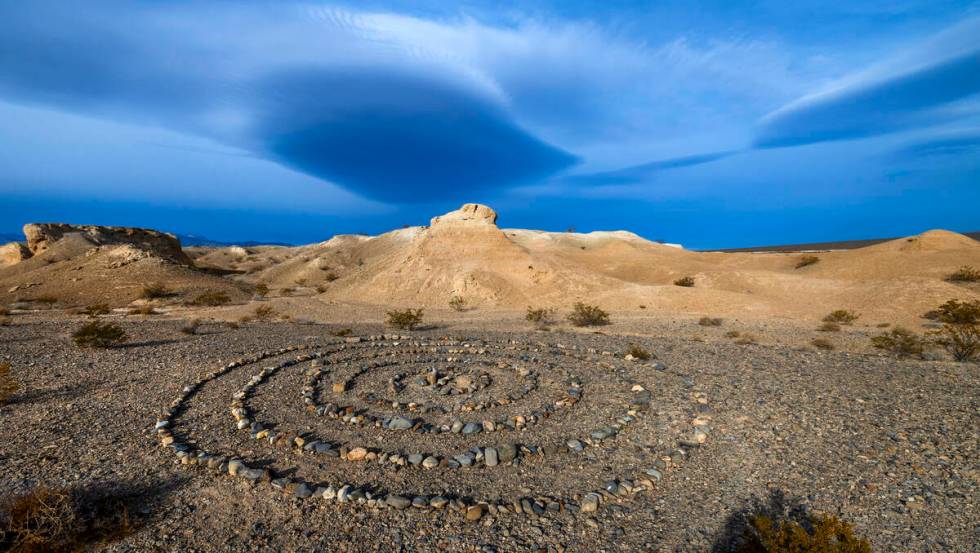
[404,319]
[965,273]
[341,332]
[542,317]
[46,299]
[733,334]
[960,334]
[745,339]
[841,316]
[5,321]
[264,313]
[96,309]
[709,321]
[320,288]
[142,310]
[883,325]
[154,291]
[822,343]
[261,289]
[957,312]
[61,520]
[330,277]
[900,341]
[211,298]
[457,303]
[286,292]
[8,384]
[686,282]
[638,352]
[588,315]
[191,327]
[4,311]
[829,327]
[232,324]
[96,334]
[806,261]
[816,535]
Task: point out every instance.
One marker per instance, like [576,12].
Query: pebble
[472,428]
[357,454]
[430,462]
[590,502]
[400,423]
[398,502]
[490,457]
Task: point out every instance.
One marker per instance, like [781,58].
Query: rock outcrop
[43,236]
[12,253]
[469,213]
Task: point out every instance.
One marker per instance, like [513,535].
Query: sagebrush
[541,316]
[901,342]
[61,520]
[97,334]
[588,315]
[154,291]
[404,319]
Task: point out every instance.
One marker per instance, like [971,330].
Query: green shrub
[542,317]
[957,312]
[841,316]
[806,260]
[709,321]
[96,334]
[900,341]
[405,319]
[588,315]
[965,273]
[154,291]
[962,341]
[638,352]
[817,535]
[211,298]
[686,282]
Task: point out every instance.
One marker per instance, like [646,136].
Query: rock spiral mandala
[476,426]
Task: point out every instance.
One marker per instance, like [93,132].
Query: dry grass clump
[60,520]
[45,299]
[97,334]
[732,334]
[261,289]
[457,303]
[841,316]
[154,291]
[745,339]
[588,315]
[542,317]
[341,332]
[965,273]
[806,261]
[211,298]
[901,342]
[709,321]
[262,313]
[96,309]
[637,352]
[8,384]
[286,292]
[4,311]
[822,343]
[686,282]
[815,535]
[404,319]
[142,310]
[330,277]
[829,327]
[957,312]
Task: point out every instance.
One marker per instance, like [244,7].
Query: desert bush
[96,334]
[965,273]
[4,311]
[232,324]
[341,332]
[818,534]
[60,520]
[900,341]
[841,316]
[46,299]
[588,315]
[806,260]
[5,321]
[733,334]
[263,313]
[404,319]
[962,341]
[457,303]
[300,281]
[96,309]
[541,317]
[8,384]
[286,292]
[320,288]
[638,352]
[709,321]
[686,282]
[822,343]
[331,276]
[957,312]
[190,327]
[883,325]
[154,291]
[211,298]
[745,339]
[142,310]
[829,327]
[261,289]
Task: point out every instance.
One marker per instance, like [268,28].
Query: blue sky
[712,124]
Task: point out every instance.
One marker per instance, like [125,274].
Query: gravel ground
[891,445]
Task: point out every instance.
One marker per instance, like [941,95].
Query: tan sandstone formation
[43,236]
[12,253]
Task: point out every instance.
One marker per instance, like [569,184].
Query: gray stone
[507,453]
[398,502]
[400,423]
[472,428]
[590,502]
[575,445]
[490,457]
[430,462]
[438,502]
[302,491]
[252,474]
[415,458]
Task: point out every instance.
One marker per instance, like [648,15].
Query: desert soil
[888,444]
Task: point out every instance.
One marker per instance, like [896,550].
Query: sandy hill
[465,253]
[82,265]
